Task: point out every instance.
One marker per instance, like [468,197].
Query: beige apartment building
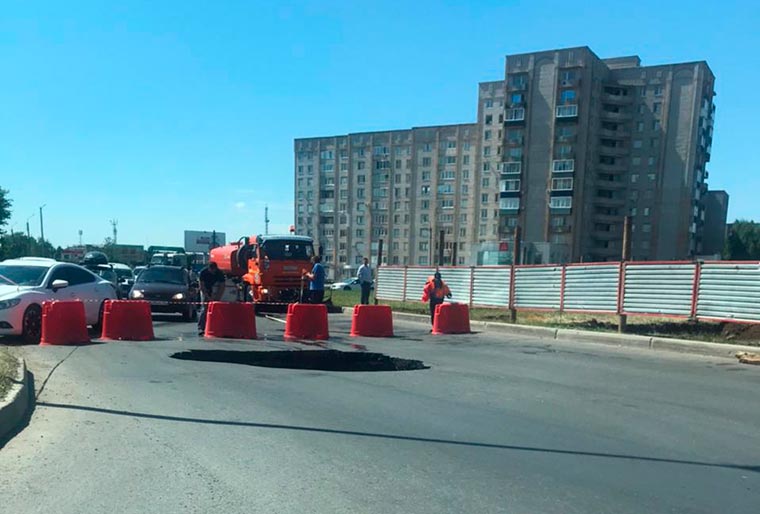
[565,146]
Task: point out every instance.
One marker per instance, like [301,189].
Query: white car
[348,285]
[27,282]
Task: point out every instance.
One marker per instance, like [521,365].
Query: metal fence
[720,291]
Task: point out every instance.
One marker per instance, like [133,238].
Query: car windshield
[22,275]
[123,273]
[284,250]
[106,274]
[162,276]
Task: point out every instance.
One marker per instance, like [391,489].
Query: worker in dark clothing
[364,275]
[316,281]
[212,283]
[435,290]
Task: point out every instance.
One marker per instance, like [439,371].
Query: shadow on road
[333,431]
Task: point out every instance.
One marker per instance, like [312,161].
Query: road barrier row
[64,322]
[712,290]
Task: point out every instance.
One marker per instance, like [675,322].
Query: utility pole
[80,237]
[114,224]
[42,226]
[441,236]
[266,220]
[625,256]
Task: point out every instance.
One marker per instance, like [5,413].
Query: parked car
[348,285]
[168,289]
[27,282]
[125,278]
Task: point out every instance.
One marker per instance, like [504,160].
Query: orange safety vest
[430,291]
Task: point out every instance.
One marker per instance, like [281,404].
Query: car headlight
[136,294]
[8,304]
[265,291]
[178,296]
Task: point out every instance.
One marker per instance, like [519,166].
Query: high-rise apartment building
[565,146]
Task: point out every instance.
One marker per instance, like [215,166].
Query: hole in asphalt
[325,360]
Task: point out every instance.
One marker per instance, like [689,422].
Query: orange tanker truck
[267,269]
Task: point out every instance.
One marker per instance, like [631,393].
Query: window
[636,161]
[642,108]
[489,119]
[328,167]
[451,159]
[425,204]
[558,221]
[650,161]
[465,175]
[486,151]
[359,232]
[516,98]
[658,91]
[656,125]
[637,143]
[424,218]
[640,126]
[634,178]
[634,195]
[360,165]
[646,211]
[488,103]
[425,176]
[484,214]
[360,192]
[425,190]
[326,154]
[486,166]
[360,220]
[561,202]
[509,204]
[487,135]
[422,260]
[482,230]
[447,175]
[511,185]
[646,228]
[463,218]
[654,142]
[651,177]
[485,182]
[567,96]
[466,159]
[447,204]
[382,165]
[562,184]
[462,232]
[633,211]
[515,136]
[427,161]
[564,150]
[360,179]
[426,147]
[643,91]
[657,108]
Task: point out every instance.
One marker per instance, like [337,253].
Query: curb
[628,340]
[16,404]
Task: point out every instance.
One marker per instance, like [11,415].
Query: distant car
[125,278]
[348,285]
[168,289]
[137,270]
[27,282]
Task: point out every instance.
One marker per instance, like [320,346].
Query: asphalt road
[497,424]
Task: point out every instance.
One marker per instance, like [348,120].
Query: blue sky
[175,115]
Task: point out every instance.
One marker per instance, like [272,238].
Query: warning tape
[162,303]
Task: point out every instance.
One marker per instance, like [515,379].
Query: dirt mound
[739,332]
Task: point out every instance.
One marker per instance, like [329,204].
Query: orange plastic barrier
[127,320]
[452,318]
[63,322]
[372,321]
[306,321]
[234,320]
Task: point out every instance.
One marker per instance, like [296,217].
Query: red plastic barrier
[452,318]
[306,321]
[234,320]
[127,321]
[372,321]
[63,322]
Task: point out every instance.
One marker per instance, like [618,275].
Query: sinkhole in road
[323,360]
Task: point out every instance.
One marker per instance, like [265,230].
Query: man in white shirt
[364,275]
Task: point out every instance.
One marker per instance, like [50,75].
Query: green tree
[743,241]
[17,245]
[5,209]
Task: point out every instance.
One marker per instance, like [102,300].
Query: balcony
[326,209]
[621,115]
[509,204]
[602,235]
[609,218]
[617,99]
[612,184]
[563,166]
[609,202]
[567,111]
[614,151]
[509,168]
[618,167]
[514,115]
[615,134]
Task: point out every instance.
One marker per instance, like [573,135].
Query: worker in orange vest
[435,290]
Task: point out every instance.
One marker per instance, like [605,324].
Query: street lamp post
[42,226]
